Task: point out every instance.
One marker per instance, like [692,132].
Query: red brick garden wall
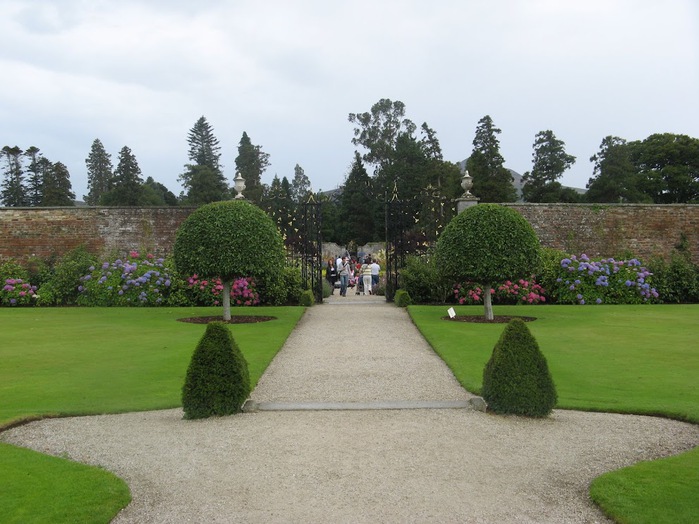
[597,230]
[644,230]
[45,232]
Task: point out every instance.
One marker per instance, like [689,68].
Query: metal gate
[412,228]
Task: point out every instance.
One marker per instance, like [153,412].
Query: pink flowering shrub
[207,292]
[520,292]
[17,292]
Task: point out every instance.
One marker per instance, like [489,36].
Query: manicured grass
[78,361]
[627,359]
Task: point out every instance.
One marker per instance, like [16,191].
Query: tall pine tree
[492,182]
[203,179]
[57,189]
[550,160]
[99,173]
[251,162]
[127,182]
[14,191]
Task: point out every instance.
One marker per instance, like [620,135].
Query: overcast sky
[288,72]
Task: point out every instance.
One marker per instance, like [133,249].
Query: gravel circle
[421,465]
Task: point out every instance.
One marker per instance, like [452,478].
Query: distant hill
[517,181]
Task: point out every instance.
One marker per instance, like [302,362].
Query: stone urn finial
[467,184]
[239,185]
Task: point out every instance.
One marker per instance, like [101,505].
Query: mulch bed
[480,319]
[235,319]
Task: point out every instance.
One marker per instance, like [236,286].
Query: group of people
[350,273]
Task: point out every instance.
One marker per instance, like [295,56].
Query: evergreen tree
[251,162]
[127,182]
[204,149]
[36,171]
[163,195]
[614,177]
[57,189]
[300,185]
[14,191]
[549,162]
[668,167]
[203,185]
[203,179]
[99,173]
[491,181]
[357,206]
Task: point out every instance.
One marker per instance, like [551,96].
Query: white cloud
[139,73]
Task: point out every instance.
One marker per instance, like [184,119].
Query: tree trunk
[487,303]
[226,300]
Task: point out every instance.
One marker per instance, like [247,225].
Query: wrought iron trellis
[312,247]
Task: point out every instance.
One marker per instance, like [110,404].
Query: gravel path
[417,465]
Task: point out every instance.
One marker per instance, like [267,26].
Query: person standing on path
[375,270]
[344,272]
[331,275]
[366,277]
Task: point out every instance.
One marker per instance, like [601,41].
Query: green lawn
[77,361]
[60,361]
[627,359]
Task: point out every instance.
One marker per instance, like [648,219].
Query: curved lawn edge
[665,487]
[41,491]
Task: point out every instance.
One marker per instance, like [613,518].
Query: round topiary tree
[229,240]
[217,380]
[516,379]
[487,244]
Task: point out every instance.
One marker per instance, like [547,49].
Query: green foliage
[61,287]
[550,161]
[307,299]
[421,279]
[487,244]
[232,239]
[402,298]
[217,381]
[676,280]
[516,379]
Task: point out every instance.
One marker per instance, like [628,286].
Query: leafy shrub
[217,381]
[487,244]
[516,379]
[307,299]
[15,290]
[402,298]
[137,281]
[230,240]
[61,286]
[677,279]
[327,288]
[422,281]
[584,281]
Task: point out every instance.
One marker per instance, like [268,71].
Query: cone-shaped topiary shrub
[516,379]
[217,381]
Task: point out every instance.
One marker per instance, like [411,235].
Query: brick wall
[46,232]
[644,230]
[597,230]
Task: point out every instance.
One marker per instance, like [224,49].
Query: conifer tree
[14,191]
[549,162]
[203,178]
[99,173]
[492,182]
[251,162]
[57,190]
